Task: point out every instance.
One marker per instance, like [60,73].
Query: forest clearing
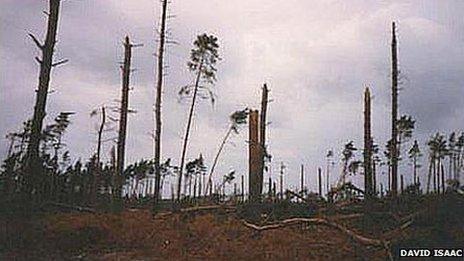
[242,190]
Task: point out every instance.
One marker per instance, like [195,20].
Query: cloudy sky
[316,57]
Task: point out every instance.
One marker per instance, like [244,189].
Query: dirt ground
[217,235]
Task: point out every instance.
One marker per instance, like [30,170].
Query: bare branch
[60,62]
[38,60]
[39,45]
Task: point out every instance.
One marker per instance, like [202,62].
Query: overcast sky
[316,57]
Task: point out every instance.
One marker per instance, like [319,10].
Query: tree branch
[37,42]
[60,62]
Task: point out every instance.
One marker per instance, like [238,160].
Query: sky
[315,56]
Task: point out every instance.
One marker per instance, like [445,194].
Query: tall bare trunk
[254,157]
[262,136]
[367,145]
[123,117]
[33,166]
[394,115]
[159,93]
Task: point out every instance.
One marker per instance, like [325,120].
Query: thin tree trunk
[302,179]
[100,133]
[159,93]
[216,158]
[394,115]
[187,131]
[442,178]
[319,172]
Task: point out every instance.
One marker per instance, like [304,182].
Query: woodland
[54,207]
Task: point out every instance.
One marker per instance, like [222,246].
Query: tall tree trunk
[187,131]
[394,115]
[319,174]
[254,158]
[34,166]
[123,118]
[262,136]
[216,158]
[367,145]
[159,93]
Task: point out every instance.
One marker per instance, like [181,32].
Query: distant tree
[460,156]
[452,153]
[236,119]
[414,156]
[194,169]
[347,156]
[330,162]
[227,179]
[405,127]
[203,59]
[437,151]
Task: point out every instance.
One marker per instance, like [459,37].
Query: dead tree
[262,136]
[100,133]
[367,144]
[123,117]
[46,64]
[159,92]
[394,115]
[254,157]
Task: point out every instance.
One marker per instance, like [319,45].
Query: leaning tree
[236,119]
[203,59]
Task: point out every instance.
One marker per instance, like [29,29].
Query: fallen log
[318,221]
[197,209]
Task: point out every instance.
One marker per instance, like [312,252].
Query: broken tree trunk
[254,158]
[262,136]
[46,63]
[367,145]
[123,118]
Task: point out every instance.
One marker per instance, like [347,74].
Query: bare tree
[367,145]
[394,114]
[159,93]
[123,117]
[46,63]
